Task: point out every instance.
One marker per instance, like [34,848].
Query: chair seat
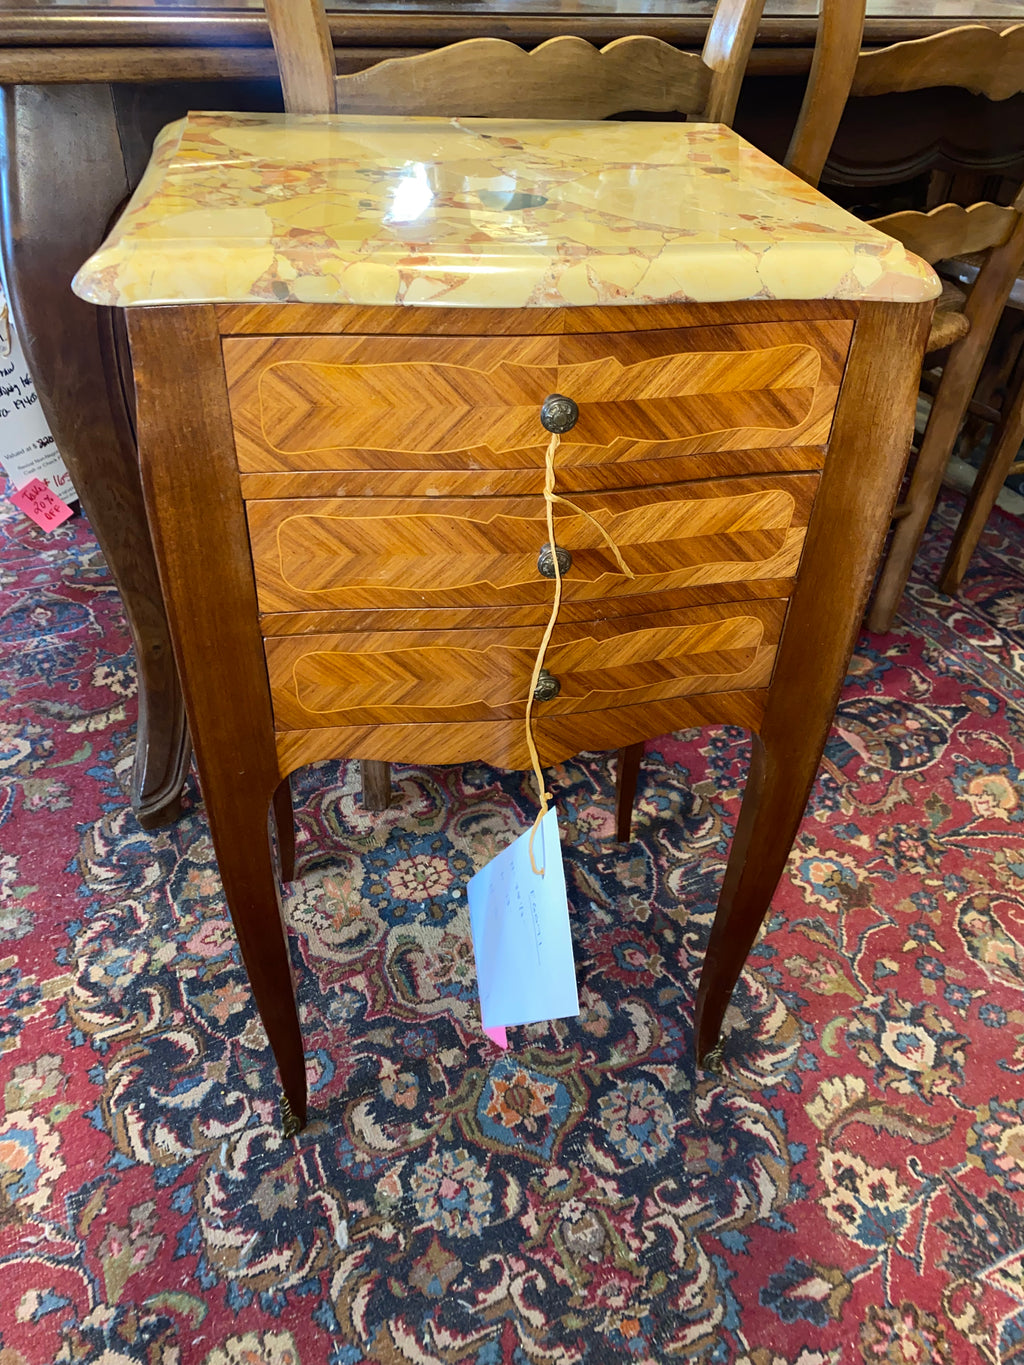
[964,270]
[949,323]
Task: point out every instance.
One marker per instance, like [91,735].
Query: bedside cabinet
[346,496]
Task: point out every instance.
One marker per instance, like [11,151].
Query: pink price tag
[498,1035]
[38,501]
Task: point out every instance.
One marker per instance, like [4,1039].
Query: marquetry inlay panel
[503,742]
[402,676]
[379,552]
[413,402]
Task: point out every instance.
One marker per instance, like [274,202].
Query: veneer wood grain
[503,744]
[341,622]
[387,552]
[389,677]
[325,319]
[403,403]
[572,479]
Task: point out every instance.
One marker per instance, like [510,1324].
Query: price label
[38,501]
[27,449]
[522,942]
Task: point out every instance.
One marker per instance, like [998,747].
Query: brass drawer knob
[546,561]
[558,413]
[547,687]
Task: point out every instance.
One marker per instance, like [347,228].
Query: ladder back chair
[563,78]
[987,63]
[1004,373]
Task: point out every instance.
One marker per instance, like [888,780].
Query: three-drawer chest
[352,340]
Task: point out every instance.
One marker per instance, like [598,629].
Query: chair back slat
[305,54]
[564,78]
[970,57]
[950,230]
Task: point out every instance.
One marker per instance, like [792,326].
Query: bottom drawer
[398,677]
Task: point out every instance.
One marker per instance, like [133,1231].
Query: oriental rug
[849,1189]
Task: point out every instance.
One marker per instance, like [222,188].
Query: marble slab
[481,213]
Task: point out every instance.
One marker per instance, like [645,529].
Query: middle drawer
[312,553]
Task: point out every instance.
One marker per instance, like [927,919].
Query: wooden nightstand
[345,490]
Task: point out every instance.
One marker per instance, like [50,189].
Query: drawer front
[315,554]
[351,402]
[471,675]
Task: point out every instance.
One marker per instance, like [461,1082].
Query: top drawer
[355,402]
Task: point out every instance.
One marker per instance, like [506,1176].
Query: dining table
[85,89]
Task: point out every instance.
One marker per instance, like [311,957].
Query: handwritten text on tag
[40,503]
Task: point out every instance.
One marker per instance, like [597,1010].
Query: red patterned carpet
[850,1189]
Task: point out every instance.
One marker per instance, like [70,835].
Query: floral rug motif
[849,1189]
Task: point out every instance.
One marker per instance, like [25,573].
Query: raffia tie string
[550,498]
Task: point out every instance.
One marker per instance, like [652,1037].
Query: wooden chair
[563,78]
[987,63]
[1007,418]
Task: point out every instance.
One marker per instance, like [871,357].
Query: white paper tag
[27,450]
[521,936]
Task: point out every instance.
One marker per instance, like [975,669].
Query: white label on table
[27,450]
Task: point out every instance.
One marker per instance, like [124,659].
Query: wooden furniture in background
[986,63]
[564,77]
[346,501]
[1001,459]
[118,40]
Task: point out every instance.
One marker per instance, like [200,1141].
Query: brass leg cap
[714,1061]
[290,1122]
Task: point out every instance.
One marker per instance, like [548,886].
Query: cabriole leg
[238,823]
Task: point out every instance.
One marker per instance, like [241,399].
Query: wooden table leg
[238,814]
[62,177]
[625,790]
[873,428]
[187,459]
[376,784]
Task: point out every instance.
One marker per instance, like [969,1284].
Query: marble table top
[481,213]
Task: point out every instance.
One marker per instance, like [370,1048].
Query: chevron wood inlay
[503,742]
[424,408]
[353,319]
[477,675]
[321,402]
[378,553]
[572,479]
